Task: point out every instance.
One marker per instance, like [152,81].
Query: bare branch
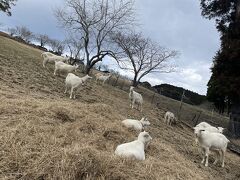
[143,56]
[95,21]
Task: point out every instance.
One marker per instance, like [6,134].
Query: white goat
[51,58]
[136,124]
[72,81]
[102,78]
[63,67]
[203,125]
[208,127]
[134,149]
[169,118]
[211,141]
[135,98]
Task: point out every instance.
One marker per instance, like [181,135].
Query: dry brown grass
[45,135]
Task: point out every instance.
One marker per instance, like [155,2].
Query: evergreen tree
[225,80]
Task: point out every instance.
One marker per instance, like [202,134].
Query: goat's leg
[223,157]
[206,155]
[168,121]
[217,157]
[44,63]
[203,153]
[133,102]
[55,72]
[74,94]
[66,88]
[71,93]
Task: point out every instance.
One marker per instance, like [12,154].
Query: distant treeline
[176,93]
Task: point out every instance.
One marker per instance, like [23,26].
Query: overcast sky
[175,24]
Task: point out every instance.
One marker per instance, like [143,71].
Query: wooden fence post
[153,98]
[212,115]
[198,118]
[180,107]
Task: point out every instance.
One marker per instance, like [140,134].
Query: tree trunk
[135,82]
[87,69]
[234,123]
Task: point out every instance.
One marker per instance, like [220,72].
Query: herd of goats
[208,137]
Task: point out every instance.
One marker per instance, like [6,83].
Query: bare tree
[143,56]
[24,33]
[43,39]
[75,47]
[12,31]
[95,20]
[56,46]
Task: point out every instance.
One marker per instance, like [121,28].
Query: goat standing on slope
[63,67]
[51,58]
[103,78]
[135,98]
[209,128]
[73,82]
[211,141]
[169,118]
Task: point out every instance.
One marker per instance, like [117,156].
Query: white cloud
[190,74]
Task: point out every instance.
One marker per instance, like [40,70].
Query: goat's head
[145,121]
[220,129]
[144,137]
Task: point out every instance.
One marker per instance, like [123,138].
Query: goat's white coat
[209,128]
[214,129]
[102,78]
[63,67]
[135,98]
[134,149]
[51,58]
[169,118]
[73,82]
[203,125]
[136,124]
[211,141]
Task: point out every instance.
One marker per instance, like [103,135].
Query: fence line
[190,116]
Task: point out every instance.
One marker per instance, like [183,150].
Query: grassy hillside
[45,135]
